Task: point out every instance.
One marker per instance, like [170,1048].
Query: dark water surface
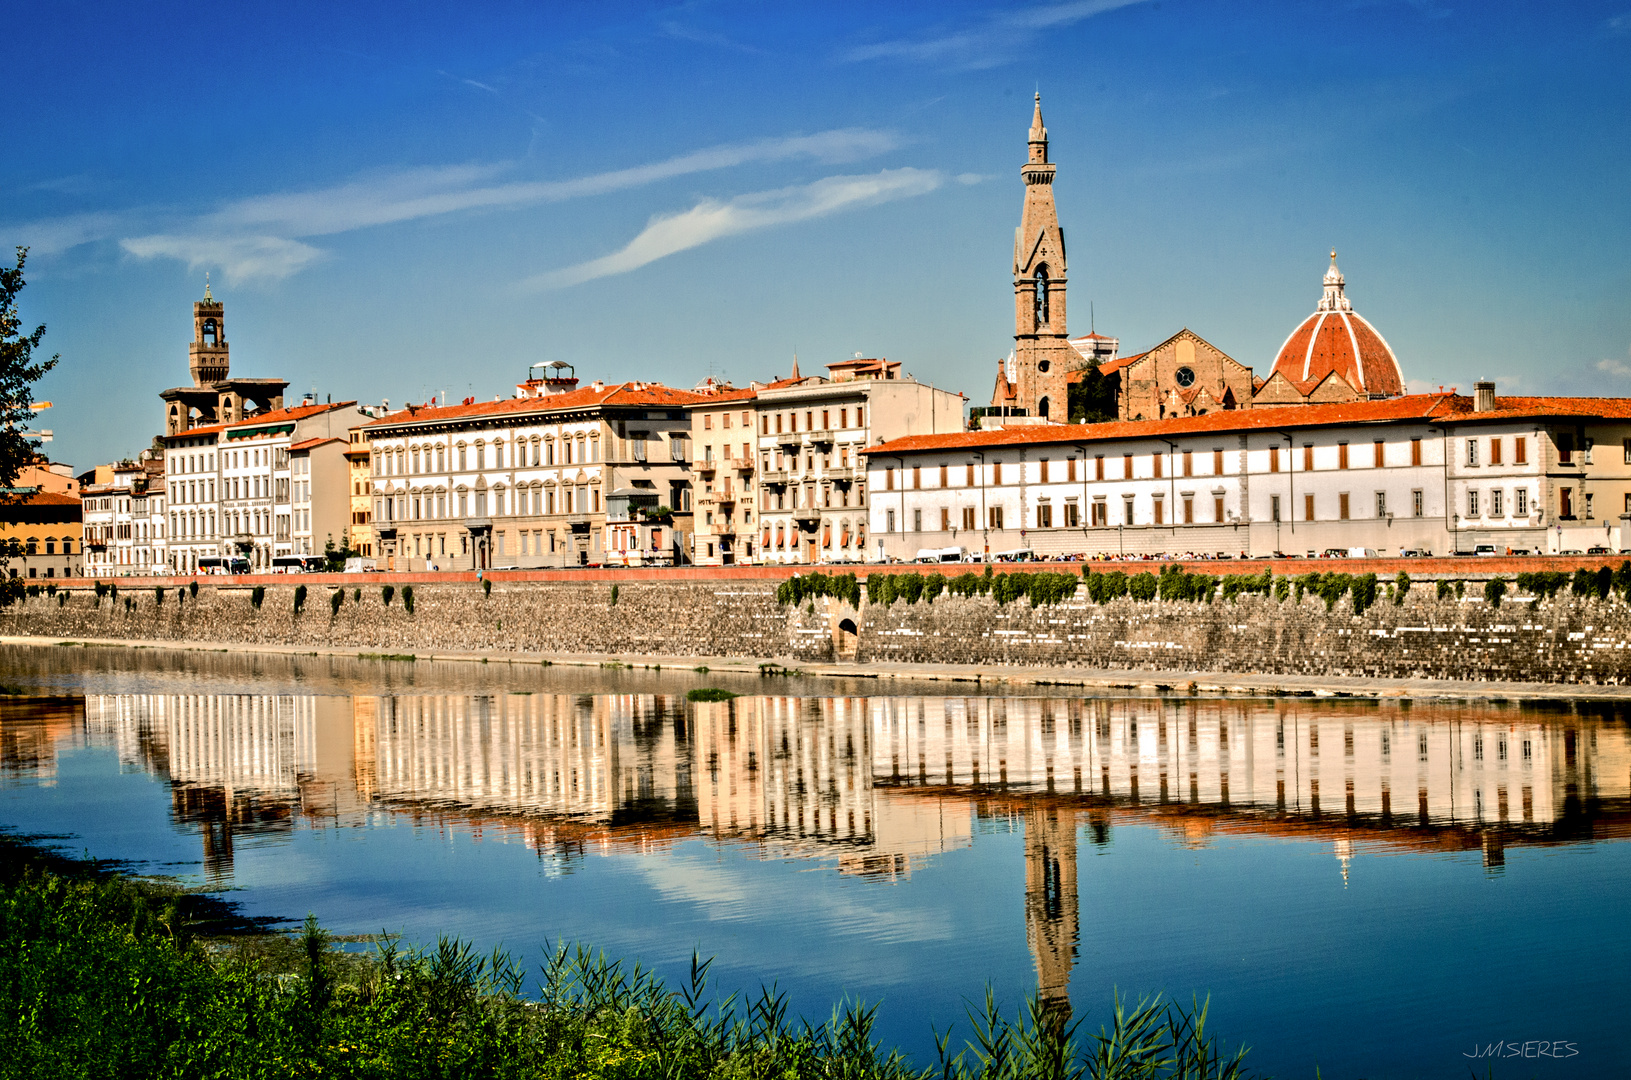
[1376,888]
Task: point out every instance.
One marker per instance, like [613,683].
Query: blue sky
[405,200]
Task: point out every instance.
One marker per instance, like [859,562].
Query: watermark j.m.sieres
[1532,1049]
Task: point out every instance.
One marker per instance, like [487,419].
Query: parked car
[1598,550]
[1484,549]
[1415,553]
[1335,553]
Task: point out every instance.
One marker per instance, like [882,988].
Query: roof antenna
[1092,319]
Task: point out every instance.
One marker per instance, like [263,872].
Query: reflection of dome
[1336,339]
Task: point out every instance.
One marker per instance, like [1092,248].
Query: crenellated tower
[209,355]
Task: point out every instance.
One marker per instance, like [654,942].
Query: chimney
[1483,396]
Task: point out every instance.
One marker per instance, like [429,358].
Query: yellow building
[48,530]
[360,533]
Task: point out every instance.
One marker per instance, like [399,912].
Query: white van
[1362,553]
[941,555]
[359,565]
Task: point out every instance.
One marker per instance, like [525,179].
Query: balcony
[821,437]
[807,514]
[723,497]
[705,466]
[743,465]
[774,477]
[789,438]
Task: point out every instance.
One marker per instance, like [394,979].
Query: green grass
[708,693]
[406,657]
[102,976]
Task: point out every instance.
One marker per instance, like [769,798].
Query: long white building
[1436,472]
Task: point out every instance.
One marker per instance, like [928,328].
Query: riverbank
[99,976]
[1134,680]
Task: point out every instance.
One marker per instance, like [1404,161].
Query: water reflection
[873,786]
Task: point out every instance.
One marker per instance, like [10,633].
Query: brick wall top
[1423,569]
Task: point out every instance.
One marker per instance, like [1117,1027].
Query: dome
[1337,339]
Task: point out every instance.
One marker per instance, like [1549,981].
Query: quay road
[1479,568]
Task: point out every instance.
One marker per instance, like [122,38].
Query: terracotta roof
[307,444]
[281,416]
[1511,408]
[617,394]
[1343,342]
[1120,362]
[1416,407]
[747,394]
[207,430]
[45,498]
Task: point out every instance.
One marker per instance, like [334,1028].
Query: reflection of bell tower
[208,354]
[1052,920]
[1042,351]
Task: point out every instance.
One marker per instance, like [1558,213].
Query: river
[1379,889]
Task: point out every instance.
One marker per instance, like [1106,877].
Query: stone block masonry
[731,618]
[1566,640]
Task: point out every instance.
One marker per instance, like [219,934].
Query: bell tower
[1042,351]
[208,355]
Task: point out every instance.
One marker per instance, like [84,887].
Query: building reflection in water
[872,785]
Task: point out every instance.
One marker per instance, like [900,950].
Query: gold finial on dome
[1333,255]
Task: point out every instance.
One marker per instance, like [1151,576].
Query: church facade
[1333,356]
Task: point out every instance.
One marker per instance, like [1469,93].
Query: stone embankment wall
[680,619]
[1564,640]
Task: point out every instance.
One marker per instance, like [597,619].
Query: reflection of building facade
[872,784]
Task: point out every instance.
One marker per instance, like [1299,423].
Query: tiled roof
[617,394]
[1441,406]
[210,429]
[45,498]
[284,416]
[307,444]
[705,400]
[1417,407]
[1343,342]
[1514,408]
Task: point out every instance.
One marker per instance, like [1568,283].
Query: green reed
[103,976]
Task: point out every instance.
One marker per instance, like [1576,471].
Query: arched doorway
[846,640]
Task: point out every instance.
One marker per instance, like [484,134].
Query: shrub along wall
[1539,628]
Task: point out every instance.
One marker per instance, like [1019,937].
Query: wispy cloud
[259,237]
[241,258]
[681,32]
[1619,24]
[992,41]
[50,236]
[1615,367]
[712,219]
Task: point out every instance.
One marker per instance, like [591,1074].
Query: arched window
[211,334]
[1041,296]
[1042,408]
